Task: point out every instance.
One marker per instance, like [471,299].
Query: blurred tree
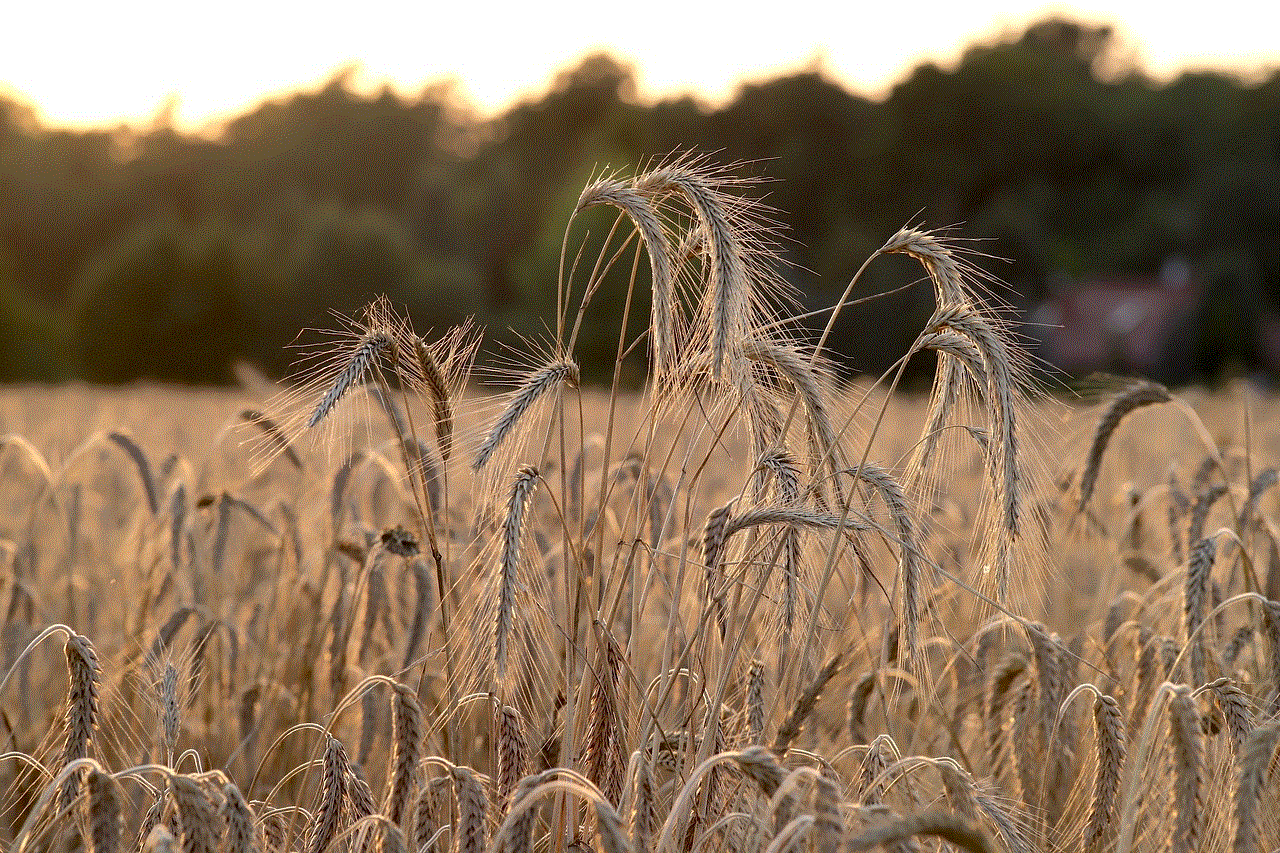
[1049,143]
[166,302]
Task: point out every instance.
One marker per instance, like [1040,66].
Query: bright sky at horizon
[85,64]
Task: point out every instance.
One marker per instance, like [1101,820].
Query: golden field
[749,608]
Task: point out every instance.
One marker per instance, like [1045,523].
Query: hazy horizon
[128,69]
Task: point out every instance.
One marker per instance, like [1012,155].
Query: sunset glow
[94,64]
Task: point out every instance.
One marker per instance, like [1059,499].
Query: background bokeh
[1136,219]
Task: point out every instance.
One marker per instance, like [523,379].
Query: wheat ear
[714,534]
[800,712]
[509,564]
[1135,397]
[1002,386]
[1255,763]
[1184,734]
[729,292]
[535,384]
[761,766]
[333,786]
[237,820]
[201,828]
[640,209]
[84,675]
[406,721]
[1233,704]
[103,807]
[1110,732]
[433,377]
[1199,565]
[602,757]
[513,751]
[755,701]
[366,352]
[472,807]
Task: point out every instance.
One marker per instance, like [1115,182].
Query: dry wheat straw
[755,701]
[949,827]
[534,385]
[1135,397]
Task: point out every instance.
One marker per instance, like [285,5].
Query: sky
[95,64]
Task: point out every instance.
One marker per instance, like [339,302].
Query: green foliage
[1046,143]
[164,302]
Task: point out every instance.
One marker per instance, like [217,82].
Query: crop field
[748,607]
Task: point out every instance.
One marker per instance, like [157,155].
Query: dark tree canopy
[119,248]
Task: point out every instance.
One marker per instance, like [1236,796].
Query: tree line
[156,254]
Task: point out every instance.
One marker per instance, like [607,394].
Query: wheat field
[749,607]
